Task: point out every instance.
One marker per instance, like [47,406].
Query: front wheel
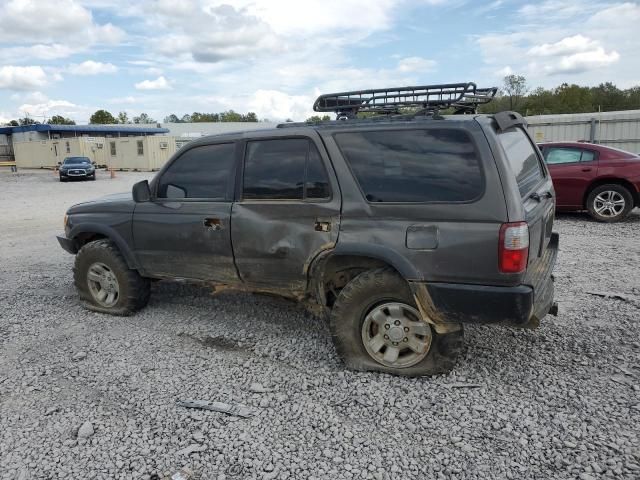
[609,203]
[376,326]
[106,283]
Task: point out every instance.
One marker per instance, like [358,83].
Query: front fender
[109,232]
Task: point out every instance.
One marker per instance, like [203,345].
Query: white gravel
[86,395]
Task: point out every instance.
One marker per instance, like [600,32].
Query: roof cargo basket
[462,97]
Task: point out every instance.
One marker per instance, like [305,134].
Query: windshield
[76,160]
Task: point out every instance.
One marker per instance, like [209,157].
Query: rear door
[288,210]
[185,230]
[535,186]
[572,170]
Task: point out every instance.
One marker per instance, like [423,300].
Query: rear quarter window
[522,158]
[414,166]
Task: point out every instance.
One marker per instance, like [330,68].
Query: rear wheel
[106,283]
[376,326]
[609,203]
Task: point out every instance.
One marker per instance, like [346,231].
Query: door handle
[212,223]
[322,225]
[586,169]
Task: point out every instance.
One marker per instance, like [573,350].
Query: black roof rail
[462,97]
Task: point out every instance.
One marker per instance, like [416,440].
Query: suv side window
[522,158]
[414,166]
[559,155]
[200,172]
[284,169]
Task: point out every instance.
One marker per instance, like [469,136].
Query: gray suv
[401,227]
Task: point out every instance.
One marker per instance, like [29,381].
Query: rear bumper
[68,244]
[522,306]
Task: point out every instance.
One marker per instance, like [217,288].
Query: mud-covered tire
[617,193]
[360,296]
[133,290]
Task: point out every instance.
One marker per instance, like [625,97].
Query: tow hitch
[553,310]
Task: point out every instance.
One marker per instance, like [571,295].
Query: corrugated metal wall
[614,129]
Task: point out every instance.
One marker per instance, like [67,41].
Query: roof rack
[462,97]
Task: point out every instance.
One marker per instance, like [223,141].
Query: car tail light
[513,250]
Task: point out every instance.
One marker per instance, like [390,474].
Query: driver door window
[200,173]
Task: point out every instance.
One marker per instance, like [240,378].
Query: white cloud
[584,41]
[22,78]
[48,108]
[159,83]
[415,64]
[583,61]
[129,100]
[276,105]
[34,21]
[89,67]
[566,46]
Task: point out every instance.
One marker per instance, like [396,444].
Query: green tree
[123,118]
[230,116]
[143,118]
[102,117]
[60,120]
[250,117]
[14,123]
[515,86]
[318,118]
[27,121]
[173,118]
[186,118]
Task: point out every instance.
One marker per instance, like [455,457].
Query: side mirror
[141,192]
[59,163]
[93,163]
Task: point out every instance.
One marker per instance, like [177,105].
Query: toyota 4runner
[402,227]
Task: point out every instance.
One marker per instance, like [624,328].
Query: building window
[140,147]
[113,148]
[68,147]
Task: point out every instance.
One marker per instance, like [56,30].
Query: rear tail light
[513,250]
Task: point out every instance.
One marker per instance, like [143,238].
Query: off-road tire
[619,189]
[357,298]
[134,290]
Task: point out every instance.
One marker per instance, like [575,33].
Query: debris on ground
[85,430]
[259,388]
[193,448]
[236,410]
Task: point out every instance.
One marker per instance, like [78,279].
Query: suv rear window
[522,158]
[413,166]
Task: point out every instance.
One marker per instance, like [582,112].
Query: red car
[603,180]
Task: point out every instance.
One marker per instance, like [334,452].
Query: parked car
[603,180]
[401,229]
[76,167]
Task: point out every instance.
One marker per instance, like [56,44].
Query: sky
[273,57]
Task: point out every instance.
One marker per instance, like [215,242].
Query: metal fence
[614,129]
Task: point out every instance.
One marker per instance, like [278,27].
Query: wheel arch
[612,181]
[88,232]
[332,269]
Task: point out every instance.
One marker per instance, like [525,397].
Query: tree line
[565,98]
[514,94]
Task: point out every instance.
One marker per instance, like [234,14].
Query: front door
[185,230]
[572,170]
[288,211]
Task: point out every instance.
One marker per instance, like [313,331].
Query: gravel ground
[86,395]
